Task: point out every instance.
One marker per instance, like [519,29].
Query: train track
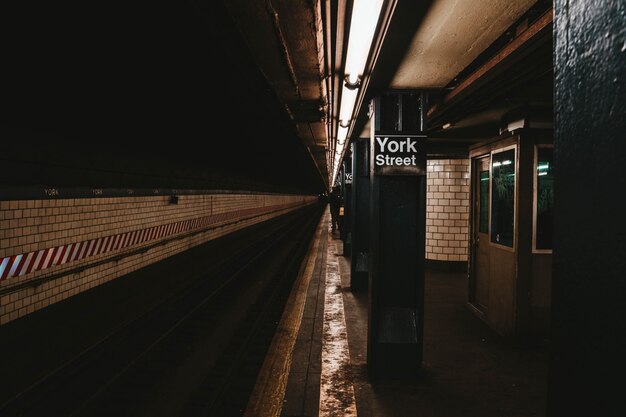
[196,352]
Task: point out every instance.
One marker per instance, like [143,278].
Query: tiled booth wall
[447,209]
[84,242]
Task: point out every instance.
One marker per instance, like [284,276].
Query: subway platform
[316,365]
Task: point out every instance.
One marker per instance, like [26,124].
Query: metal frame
[535,161]
[474,194]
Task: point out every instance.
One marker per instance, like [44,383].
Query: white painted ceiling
[452,35]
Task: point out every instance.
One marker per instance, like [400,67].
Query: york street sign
[400,154]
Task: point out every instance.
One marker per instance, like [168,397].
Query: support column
[397,235]
[360,214]
[346,187]
[588,330]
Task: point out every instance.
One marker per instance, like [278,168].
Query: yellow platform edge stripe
[269,391]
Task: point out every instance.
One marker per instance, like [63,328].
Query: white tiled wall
[447,209]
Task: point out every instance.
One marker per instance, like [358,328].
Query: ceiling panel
[452,35]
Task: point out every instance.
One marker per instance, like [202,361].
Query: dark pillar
[397,236]
[588,332]
[360,214]
[345,232]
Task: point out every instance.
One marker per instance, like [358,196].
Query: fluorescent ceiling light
[342,134]
[363,23]
[498,163]
[348,98]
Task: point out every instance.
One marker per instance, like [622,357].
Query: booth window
[544,198]
[483,223]
[503,197]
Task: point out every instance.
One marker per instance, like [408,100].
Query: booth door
[480,240]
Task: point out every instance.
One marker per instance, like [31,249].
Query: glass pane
[545,198]
[483,221]
[503,197]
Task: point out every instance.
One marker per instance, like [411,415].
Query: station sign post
[346,188]
[359,266]
[397,234]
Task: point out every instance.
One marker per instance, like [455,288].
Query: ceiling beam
[497,63]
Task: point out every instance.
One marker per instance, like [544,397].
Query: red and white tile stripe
[22,264]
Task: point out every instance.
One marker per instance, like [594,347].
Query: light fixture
[348,99]
[447,125]
[362,28]
[352,86]
[342,133]
[363,23]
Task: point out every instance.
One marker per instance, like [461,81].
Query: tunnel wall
[447,209]
[55,248]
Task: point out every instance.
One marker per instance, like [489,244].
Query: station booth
[510,240]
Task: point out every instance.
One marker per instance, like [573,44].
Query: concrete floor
[468,369]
